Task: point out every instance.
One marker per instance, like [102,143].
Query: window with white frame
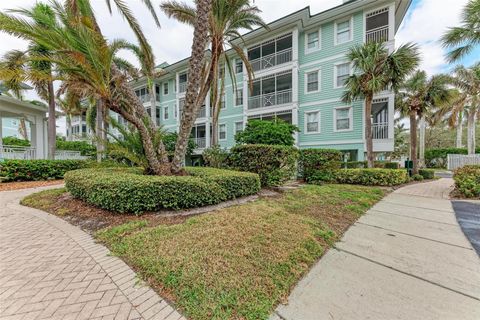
[175,111]
[342,72]
[222,101]
[238,65]
[239,97]
[343,31]
[238,127]
[165,113]
[313,41]
[343,119]
[222,132]
[165,88]
[312,79]
[312,122]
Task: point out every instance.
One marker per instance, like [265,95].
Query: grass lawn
[238,262]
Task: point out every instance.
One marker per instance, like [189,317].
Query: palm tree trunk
[459,130]
[421,150]
[471,132]
[413,141]
[99,131]
[191,108]
[69,127]
[368,130]
[22,129]
[52,126]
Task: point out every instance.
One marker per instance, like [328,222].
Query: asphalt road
[468,216]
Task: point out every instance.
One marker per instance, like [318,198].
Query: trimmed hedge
[34,170]
[14,141]
[127,190]
[85,148]
[274,164]
[313,160]
[427,173]
[366,177]
[363,164]
[467,181]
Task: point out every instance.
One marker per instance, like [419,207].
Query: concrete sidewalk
[407,258]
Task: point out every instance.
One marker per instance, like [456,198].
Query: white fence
[455,161]
[29,153]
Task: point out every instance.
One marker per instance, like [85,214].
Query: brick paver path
[439,189]
[50,269]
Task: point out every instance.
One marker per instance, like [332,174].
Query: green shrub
[417,177]
[28,170]
[437,158]
[376,164]
[392,165]
[314,160]
[467,181]
[367,177]
[276,132]
[14,141]
[127,190]
[354,164]
[274,164]
[427,173]
[215,157]
[85,148]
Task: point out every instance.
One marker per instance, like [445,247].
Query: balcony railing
[272,60]
[145,98]
[380,131]
[17,153]
[270,99]
[200,142]
[202,113]
[69,155]
[182,87]
[377,35]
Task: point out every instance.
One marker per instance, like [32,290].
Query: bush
[127,190]
[14,141]
[467,181]
[28,170]
[274,164]
[277,132]
[366,177]
[437,158]
[85,148]
[392,165]
[376,164]
[417,177]
[215,157]
[427,173]
[314,160]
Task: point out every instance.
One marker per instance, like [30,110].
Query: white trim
[319,102]
[166,101]
[230,116]
[335,73]
[350,117]
[226,131]
[319,47]
[319,80]
[316,62]
[305,122]
[163,88]
[319,143]
[335,43]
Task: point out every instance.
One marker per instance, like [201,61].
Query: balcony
[272,60]
[380,131]
[17,153]
[270,99]
[377,35]
[201,143]
[182,87]
[202,113]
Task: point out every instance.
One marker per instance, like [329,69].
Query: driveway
[406,258]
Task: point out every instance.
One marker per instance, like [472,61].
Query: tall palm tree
[464,38]
[227,19]
[452,112]
[418,95]
[70,106]
[18,66]
[374,70]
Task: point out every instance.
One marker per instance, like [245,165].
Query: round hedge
[128,190]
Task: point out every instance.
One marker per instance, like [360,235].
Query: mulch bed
[8,186]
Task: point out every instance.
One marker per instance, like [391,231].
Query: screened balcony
[182,79]
[377,26]
[199,136]
[380,119]
[271,91]
[271,53]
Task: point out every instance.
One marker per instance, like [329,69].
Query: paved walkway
[407,258]
[50,269]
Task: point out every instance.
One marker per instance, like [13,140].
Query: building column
[207,123]
[295,123]
[1,136]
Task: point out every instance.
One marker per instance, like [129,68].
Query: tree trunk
[191,108]
[22,129]
[413,141]
[421,150]
[471,132]
[68,119]
[99,131]
[368,130]
[459,130]
[52,126]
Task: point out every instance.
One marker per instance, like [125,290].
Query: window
[343,31]
[222,101]
[165,88]
[342,72]
[165,113]
[239,97]
[157,116]
[238,66]
[312,81]
[238,127]
[313,41]
[222,132]
[312,122]
[343,119]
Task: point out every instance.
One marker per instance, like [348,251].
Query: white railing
[200,142]
[272,60]
[377,35]
[455,161]
[182,87]
[69,155]
[202,113]
[17,153]
[380,130]
[145,98]
[270,99]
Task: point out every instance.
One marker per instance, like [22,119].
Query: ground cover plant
[34,170]
[467,181]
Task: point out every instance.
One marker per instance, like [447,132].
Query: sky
[426,21]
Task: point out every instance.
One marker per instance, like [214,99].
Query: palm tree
[452,112]
[18,66]
[374,70]
[227,19]
[467,36]
[70,106]
[418,95]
